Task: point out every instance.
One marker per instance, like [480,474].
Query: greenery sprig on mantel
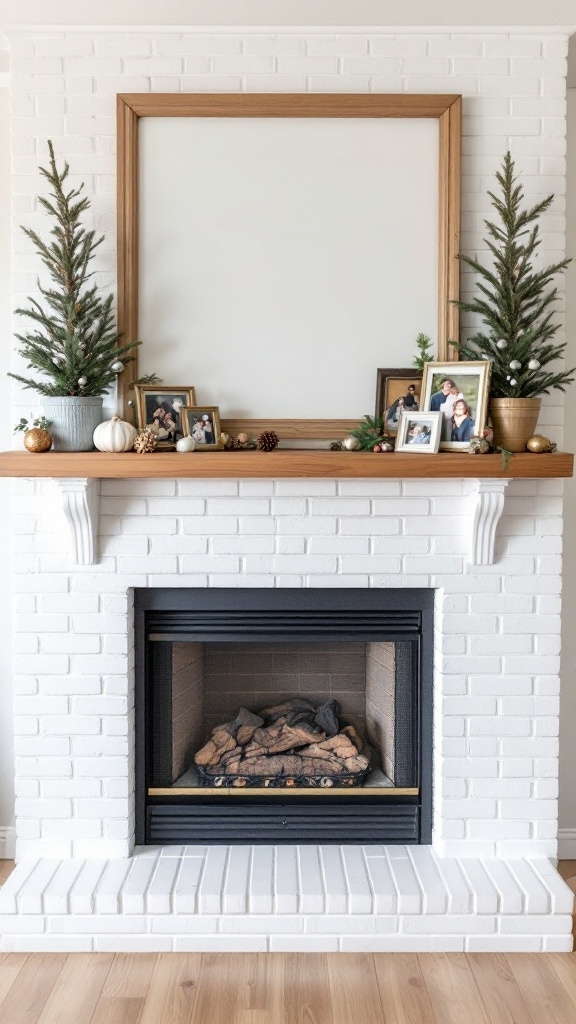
[74,342]
[369,433]
[516,302]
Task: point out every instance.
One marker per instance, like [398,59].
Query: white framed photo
[459,391]
[419,432]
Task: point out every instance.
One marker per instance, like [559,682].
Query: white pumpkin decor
[114,435]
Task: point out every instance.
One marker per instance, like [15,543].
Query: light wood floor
[275,988]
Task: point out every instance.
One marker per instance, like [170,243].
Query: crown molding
[231,29]
[290,15]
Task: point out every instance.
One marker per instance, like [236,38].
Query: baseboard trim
[8,842]
[567,844]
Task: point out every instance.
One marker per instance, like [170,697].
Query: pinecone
[267,441]
[145,442]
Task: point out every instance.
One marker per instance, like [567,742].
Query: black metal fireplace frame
[162,616]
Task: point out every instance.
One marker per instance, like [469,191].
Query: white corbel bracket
[80,504]
[488,505]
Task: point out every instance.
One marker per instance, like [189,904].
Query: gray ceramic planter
[73,422]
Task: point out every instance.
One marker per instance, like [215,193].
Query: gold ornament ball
[540,444]
[38,440]
[243,438]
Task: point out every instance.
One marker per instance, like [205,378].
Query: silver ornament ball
[82,382]
[350,443]
[513,383]
[501,344]
[117,367]
[533,364]
[515,364]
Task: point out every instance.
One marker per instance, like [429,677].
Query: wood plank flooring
[288,988]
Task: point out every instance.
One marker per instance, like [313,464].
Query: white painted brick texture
[497,643]
[496,690]
[286,898]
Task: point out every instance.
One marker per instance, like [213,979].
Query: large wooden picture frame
[446,109]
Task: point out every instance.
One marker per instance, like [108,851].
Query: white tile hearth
[286,898]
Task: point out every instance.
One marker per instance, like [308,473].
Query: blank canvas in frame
[282,260]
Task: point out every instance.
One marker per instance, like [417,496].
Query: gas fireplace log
[287,741]
[353,736]
[276,738]
[356,764]
[212,752]
[286,708]
[339,747]
[327,717]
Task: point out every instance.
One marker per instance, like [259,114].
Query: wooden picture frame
[202,412]
[404,378]
[446,109]
[471,382]
[183,396]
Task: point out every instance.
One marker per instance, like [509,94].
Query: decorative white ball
[515,364]
[82,382]
[117,366]
[513,383]
[350,443]
[502,343]
[533,364]
[185,444]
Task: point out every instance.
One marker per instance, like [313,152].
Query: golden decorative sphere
[38,440]
[540,444]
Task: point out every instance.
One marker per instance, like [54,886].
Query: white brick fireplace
[495,721]
[487,882]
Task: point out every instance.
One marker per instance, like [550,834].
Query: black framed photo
[397,391]
[202,424]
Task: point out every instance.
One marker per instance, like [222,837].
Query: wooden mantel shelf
[77,475]
[283,463]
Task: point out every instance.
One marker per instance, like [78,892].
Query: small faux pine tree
[74,342]
[516,302]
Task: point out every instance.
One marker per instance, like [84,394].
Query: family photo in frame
[459,392]
[159,408]
[202,424]
[397,391]
[419,432]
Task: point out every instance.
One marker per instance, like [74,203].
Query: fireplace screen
[282,716]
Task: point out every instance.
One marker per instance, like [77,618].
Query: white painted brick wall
[496,693]
[496,682]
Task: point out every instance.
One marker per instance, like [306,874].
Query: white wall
[568,669]
[6,741]
[268,13]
